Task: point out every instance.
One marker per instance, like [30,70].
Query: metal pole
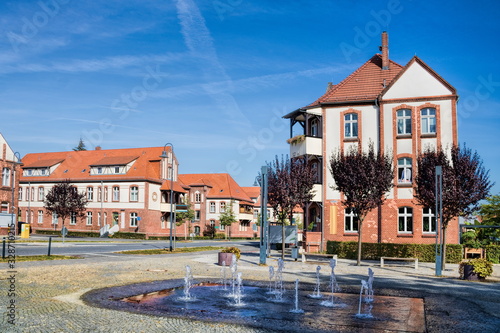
[3,248]
[164,155]
[438,215]
[443,259]
[263,226]
[50,244]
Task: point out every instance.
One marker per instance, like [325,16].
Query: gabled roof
[76,165]
[426,67]
[364,84]
[221,185]
[178,186]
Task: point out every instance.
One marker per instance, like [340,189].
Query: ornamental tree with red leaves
[364,177]
[465,183]
[290,184]
[64,200]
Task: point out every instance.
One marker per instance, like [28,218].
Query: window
[222,227]
[428,121]
[32,194]
[428,221]
[117,169]
[99,194]
[350,221]
[72,218]
[223,207]
[404,170]
[40,216]
[404,121]
[41,194]
[212,207]
[20,198]
[133,219]
[134,193]
[116,193]
[115,218]
[244,225]
[5,207]
[351,125]
[405,219]
[89,218]
[6,177]
[197,197]
[106,194]
[99,217]
[315,127]
[90,193]
[212,223]
[197,215]
[54,218]
[255,213]
[99,170]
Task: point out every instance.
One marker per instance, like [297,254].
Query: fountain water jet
[188,283]
[317,293]
[334,288]
[297,309]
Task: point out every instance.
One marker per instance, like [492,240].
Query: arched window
[351,125]
[404,121]
[197,196]
[315,127]
[6,177]
[428,120]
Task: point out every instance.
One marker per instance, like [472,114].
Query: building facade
[400,109]
[9,167]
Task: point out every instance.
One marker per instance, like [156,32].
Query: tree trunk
[358,262]
[283,240]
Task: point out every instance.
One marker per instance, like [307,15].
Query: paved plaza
[48,292]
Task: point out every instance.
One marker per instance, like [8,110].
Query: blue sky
[214,78]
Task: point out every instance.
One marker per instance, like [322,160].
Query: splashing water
[369,289]
[223,275]
[188,283]
[317,293]
[334,287]
[278,286]
[368,313]
[297,309]
[271,276]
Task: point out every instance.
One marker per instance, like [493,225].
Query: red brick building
[9,167]
[402,110]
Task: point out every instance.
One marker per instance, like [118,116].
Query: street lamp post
[164,155]
[438,215]
[13,182]
[262,180]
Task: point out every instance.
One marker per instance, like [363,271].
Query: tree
[290,184]
[465,183]
[364,178]
[64,200]
[490,216]
[81,146]
[227,217]
[185,217]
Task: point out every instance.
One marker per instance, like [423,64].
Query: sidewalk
[47,293]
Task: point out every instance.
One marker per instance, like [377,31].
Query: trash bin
[295,252]
[25,230]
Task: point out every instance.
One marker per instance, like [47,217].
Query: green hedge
[128,235]
[373,251]
[70,233]
[493,253]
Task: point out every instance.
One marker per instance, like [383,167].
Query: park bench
[382,259]
[305,255]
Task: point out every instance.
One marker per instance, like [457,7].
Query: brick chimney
[98,148]
[385,50]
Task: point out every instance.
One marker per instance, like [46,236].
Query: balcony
[308,146]
[245,216]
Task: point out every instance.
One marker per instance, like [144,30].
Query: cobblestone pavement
[48,292]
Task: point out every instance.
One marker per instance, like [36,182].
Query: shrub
[232,249]
[482,267]
[373,251]
[493,253]
[128,235]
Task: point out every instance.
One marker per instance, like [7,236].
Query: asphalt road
[92,247]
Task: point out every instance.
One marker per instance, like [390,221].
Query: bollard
[50,243]
[3,248]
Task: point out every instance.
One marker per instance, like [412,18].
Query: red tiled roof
[222,185]
[364,84]
[43,163]
[115,160]
[76,165]
[178,186]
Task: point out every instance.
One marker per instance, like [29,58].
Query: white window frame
[134,193]
[405,215]
[90,193]
[72,218]
[428,214]
[40,216]
[41,193]
[116,193]
[351,125]
[89,218]
[222,207]
[6,177]
[403,117]
[212,207]
[54,218]
[428,120]
[405,170]
[351,221]
[133,219]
